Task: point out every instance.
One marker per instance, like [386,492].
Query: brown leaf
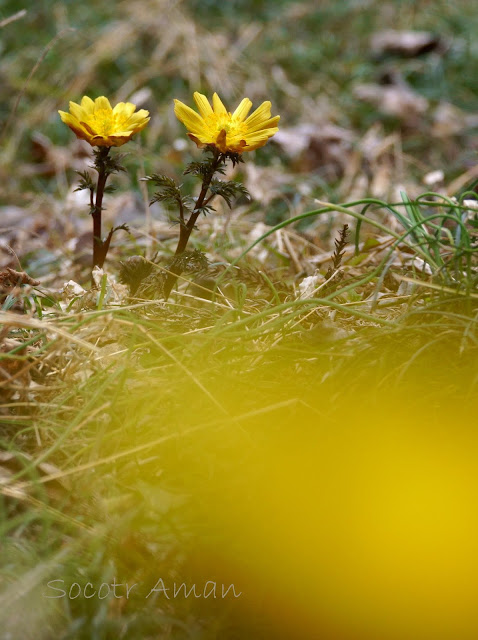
[398,101]
[10,278]
[327,147]
[406,44]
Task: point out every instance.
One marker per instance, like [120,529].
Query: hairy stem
[186,228]
[99,253]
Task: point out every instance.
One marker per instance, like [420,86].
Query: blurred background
[373,96]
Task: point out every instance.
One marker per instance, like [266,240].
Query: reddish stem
[99,253]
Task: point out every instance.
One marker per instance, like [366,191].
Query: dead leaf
[326,147]
[11,282]
[10,278]
[265,183]
[449,120]
[309,285]
[434,178]
[52,159]
[399,101]
[407,44]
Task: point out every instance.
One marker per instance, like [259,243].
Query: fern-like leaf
[229,191]
[169,192]
[86,181]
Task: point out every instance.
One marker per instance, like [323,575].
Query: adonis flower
[228,132]
[103,126]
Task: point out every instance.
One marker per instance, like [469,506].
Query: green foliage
[109,163]
[190,261]
[340,244]
[229,190]
[201,169]
[234,157]
[205,209]
[204,169]
[169,192]
[133,271]
[339,252]
[86,181]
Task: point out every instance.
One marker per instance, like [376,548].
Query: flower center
[217,122]
[103,122]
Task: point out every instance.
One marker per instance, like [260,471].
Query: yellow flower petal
[266,124]
[124,110]
[76,111]
[263,133]
[117,141]
[74,125]
[261,114]
[260,138]
[203,105]
[257,145]
[192,121]
[242,110]
[217,105]
[198,142]
[64,116]
[139,119]
[203,138]
[101,141]
[87,105]
[121,134]
[89,129]
[102,103]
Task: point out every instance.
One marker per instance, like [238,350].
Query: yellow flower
[101,125]
[228,132]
